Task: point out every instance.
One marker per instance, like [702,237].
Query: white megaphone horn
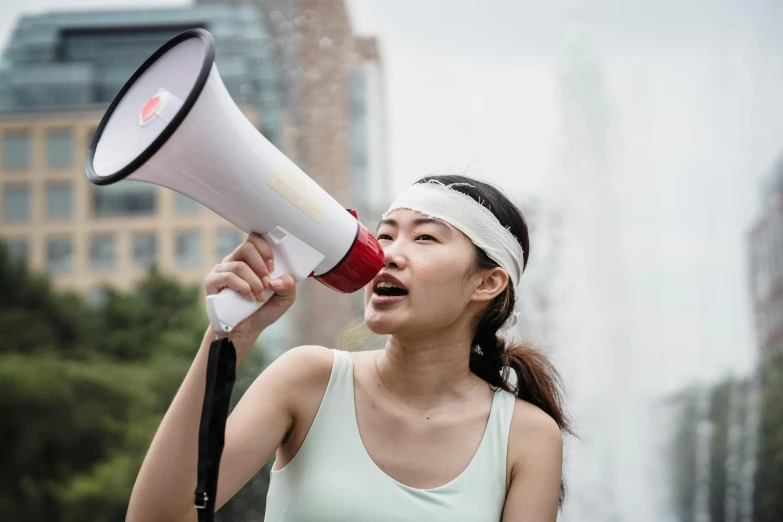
[174,124]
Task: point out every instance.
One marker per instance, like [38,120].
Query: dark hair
[490,357]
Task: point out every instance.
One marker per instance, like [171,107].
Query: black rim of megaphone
[138,161]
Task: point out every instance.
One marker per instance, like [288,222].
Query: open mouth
[386,289]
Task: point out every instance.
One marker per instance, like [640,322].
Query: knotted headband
[437,200]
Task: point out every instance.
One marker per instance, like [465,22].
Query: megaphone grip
[292,256]
[228,308]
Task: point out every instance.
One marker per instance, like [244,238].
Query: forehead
[403,217]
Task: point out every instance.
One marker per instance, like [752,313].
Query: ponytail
[534,379]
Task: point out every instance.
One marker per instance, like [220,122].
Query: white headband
[439,201]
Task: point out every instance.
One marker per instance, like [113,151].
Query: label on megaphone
[291,183]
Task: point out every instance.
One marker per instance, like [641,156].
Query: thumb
[284,287]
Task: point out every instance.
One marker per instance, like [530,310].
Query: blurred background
[643,140]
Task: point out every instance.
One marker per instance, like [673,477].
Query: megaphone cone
[174,124]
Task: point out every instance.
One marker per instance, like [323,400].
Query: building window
[16,204]
[59,255]
[188,249]
[18,248]
[358,131]
[226,241]
[59,147]
[184,205]
[59,201]
[125,198]
[145,249]
[102,251]
[16,150]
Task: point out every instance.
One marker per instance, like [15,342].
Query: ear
[491,283]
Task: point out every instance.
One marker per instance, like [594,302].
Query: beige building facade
[86,236]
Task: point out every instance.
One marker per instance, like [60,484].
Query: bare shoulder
[305,362]
[294,375]
[267,412]
[530,420]
[534,436]
[535,458]
[304,369]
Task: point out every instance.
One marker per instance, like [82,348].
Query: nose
[394,256]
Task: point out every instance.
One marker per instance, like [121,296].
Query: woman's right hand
[247,271]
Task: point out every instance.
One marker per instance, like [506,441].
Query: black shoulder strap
[221,369]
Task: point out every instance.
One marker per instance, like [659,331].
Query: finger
[283,285]
[249,254]
[244,271]
[217,281]
[264,249]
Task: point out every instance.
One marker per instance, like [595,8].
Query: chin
[380,323]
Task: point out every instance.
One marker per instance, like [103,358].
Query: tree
[682,453]
[768,501]
[34,317]
[83,389]
[712,419]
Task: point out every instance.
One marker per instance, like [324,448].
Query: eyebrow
[416,222]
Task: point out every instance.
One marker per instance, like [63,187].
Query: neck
[427,371]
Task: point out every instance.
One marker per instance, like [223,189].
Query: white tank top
[333,479]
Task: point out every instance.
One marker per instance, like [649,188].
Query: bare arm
[536,450]
[266,413]
[167,479]
[254,430]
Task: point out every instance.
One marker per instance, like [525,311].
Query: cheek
[442,285]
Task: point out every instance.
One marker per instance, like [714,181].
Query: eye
[426,236]
[383,236]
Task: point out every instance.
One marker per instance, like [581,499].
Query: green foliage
[719,448]
[769,471]
[83,390]
[67,416]
[682,455]
[158,315]
[38,317]
[686,440]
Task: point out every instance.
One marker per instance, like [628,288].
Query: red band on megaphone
[362,263]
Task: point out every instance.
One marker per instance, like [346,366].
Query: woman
[445,423]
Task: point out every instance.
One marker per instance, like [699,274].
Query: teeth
[386,284]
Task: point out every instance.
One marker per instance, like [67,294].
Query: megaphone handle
[292,256]
[227,308]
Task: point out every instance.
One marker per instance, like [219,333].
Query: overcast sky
[692,121]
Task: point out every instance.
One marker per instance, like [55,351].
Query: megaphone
[174,124]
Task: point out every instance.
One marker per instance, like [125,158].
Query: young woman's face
[430,260]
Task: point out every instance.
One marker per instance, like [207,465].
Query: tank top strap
[334,413]
[494,452]
[505,406]
[337,404]
[342,370]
